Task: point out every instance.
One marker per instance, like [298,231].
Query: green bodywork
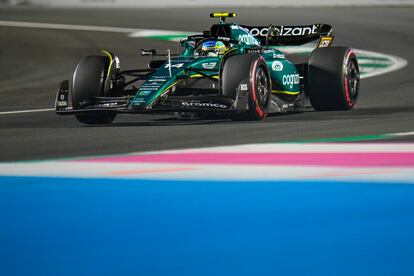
[284,75]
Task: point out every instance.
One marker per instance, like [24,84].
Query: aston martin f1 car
[231,70]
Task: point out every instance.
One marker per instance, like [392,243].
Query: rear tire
[253,69]
[88,82]
[333,79]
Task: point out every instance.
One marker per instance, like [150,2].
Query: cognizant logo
[290,80]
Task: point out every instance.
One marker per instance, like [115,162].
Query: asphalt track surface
[34,61]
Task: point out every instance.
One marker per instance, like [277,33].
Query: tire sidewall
[255,107]
[349,57]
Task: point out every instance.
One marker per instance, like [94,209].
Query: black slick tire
[333,79]
[253,69]
[89,82]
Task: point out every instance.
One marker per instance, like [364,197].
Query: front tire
[253,68]
[88,82]
[333,79]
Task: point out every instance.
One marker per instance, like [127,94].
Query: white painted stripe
[205,171]
[379,62]
[396,63]
[229,172]
[26,111]
[132,32]
[411,133]
[299,148]
[52,26]
[151,33]
[135,32]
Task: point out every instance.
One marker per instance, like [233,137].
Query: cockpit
[212,47]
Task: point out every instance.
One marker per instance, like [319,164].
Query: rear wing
[292,35]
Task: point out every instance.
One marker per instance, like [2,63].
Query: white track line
[70,27]
[397,63]
[136,32]
[403,134]
[26,111]
[326,147]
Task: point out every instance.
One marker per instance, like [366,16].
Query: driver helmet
[213,48]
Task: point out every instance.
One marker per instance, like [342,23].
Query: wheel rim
[353,79]
[262,86]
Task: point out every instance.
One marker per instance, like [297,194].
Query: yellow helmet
[213,48]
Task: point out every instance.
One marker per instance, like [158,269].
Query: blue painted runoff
[70,226]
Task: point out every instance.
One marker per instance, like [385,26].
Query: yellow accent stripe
[198,76]
[171,86]
[226,14]
[111,60]
[285,92]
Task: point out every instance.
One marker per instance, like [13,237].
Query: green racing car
[234,71]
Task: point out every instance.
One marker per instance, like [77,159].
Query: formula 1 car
[230,70]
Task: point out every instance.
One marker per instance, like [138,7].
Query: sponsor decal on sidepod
[290,80]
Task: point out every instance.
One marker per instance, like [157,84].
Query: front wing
[213,103]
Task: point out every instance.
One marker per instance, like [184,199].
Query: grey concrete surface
[33,62]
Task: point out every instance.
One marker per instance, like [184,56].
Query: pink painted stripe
[296,159]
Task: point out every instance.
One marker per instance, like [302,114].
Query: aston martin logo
[209,65]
